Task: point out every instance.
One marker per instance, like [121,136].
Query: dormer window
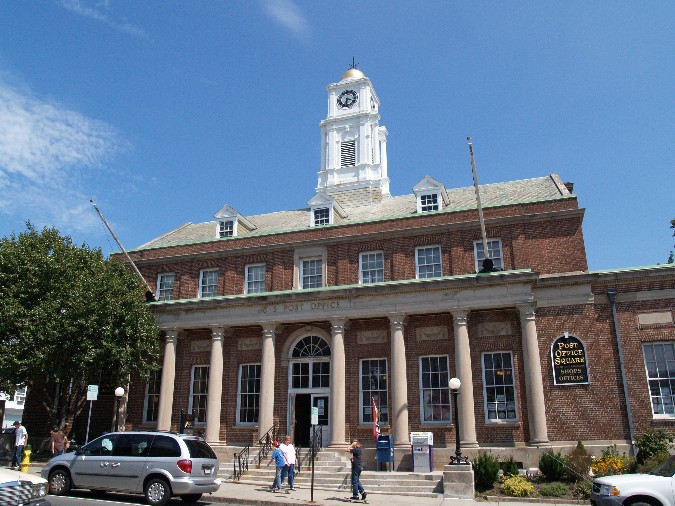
[429,202]
[321,216]
[431,195]
[226,228]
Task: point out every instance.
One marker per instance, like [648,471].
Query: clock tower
[353,144]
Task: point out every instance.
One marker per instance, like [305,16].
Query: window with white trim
[373,376]
[660,368]
[494,250]
[165,286]
[151,402]
[226,228]
[428,262]
[306,370]
[371,267]
[199,384]
[429,202]
[255,278]
[249,394]
[434,389]
[311,273]
[499,389]
[208,283]
[322,216]
[348,153]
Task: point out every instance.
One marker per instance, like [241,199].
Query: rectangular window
[434,378]
[255,278]
[348,154]
[429,202]
[374,386]
[165,286]
[198,392]
[429,262]
[152,397]
[499,389]
[495,251]
[208,283]
[660,366]
[226,228]
[20,396]
[249,393]
[322,216]
[371,267]
[310,375]
[311,275]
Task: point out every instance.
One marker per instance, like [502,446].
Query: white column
[534,386]
[336,414]
[215,386]
[165,407]
[467,417]
[398,416]
[266,412]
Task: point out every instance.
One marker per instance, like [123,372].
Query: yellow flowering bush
[517,486]
[610,463]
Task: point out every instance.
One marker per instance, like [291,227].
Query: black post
[117,413]
[457,458]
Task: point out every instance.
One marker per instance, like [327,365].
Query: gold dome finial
[353,72]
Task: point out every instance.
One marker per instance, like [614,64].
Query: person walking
[59,441]
[357,467]
[289,452]
[20,440]
[280,462]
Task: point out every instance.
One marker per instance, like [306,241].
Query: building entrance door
[320,401]
[302,414]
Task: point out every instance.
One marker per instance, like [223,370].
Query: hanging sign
[315,416]
[568,356]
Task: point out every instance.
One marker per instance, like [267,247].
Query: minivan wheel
[157,492]
[59,482]
[191,497]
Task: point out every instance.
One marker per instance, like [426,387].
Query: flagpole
[486,253]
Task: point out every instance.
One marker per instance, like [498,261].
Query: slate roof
[492,195]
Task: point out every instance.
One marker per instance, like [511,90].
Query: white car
[656,488]
[22,489]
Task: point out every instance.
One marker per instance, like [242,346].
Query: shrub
[583,489]
[611,463]
[652,462]
[517,486]
[552,466]
[486,470]
[510,467]
[555,489]
[578,463]
[651,443]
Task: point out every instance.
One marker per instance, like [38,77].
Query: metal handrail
[242,458]
[265,443]
[241,462]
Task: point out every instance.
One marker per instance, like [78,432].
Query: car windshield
[199,449]
[665,469]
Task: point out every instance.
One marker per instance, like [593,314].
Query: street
[85,498]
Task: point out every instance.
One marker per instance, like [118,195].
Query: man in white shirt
[289,453]
[20,440]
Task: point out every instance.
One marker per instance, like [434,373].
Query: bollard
[26,459]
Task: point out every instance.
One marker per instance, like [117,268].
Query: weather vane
[353,65]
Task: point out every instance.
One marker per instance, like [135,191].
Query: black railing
[242,458]
[307,455]
[265,443]
[241,462]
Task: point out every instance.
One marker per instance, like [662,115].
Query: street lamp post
[119,392]
[454,385]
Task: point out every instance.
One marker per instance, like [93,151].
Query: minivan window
[164,446]
[101,446]
[132,445]
[199,449]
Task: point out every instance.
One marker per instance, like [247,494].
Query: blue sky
[164,111]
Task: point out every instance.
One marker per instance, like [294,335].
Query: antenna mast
[149,296]
[487,262]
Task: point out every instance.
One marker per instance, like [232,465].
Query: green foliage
[486,470]
[652,462]
[510,467]
[583,489]
[68,314]
[552,466]
[517,486]
[555,489]
[578,463]
[652,442]
[611,463]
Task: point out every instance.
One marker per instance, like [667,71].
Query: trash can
[422,449]
[385,452]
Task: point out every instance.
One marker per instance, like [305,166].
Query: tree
[69,317]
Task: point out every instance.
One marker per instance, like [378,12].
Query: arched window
[311,346]
[310,366]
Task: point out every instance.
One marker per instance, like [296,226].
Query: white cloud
[288,15]
[99,12]
[45,150]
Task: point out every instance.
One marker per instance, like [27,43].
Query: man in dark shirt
[357,467]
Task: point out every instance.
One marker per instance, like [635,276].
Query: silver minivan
[157,464]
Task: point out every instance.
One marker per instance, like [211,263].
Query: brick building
[367,297]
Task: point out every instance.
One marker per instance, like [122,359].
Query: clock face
[347,99]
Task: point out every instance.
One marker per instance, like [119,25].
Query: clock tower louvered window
[348,154]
